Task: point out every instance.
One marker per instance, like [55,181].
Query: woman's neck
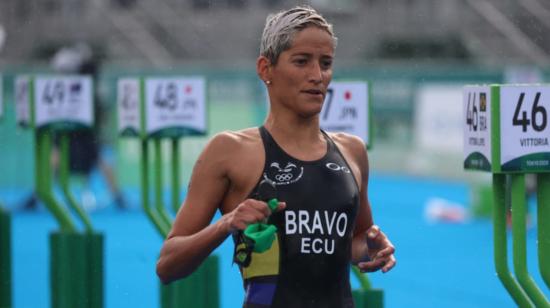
[299,136]
[293,126]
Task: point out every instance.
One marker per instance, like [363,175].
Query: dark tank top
[308,263]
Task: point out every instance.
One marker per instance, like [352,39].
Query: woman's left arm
[371,248]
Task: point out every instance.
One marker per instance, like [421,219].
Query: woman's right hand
[248,212]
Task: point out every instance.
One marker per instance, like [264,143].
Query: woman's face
[301,76]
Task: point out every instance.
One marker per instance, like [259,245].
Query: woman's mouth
[315,92]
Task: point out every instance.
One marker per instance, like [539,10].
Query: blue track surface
[439,264]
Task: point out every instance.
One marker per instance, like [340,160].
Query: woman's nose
[315,73]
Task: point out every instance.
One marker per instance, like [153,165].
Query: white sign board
[129,105]
[523,74]
[346,109]
[63,99]
[175,103]
[476,116]
[22,100]
[524,127]
[438,121]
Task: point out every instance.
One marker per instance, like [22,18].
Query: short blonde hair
[281,27]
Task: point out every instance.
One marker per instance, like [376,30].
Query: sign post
[5,240]
[155,109]
[506,132]
[59,104]
[5,259]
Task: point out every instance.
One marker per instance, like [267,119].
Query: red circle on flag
[347,95]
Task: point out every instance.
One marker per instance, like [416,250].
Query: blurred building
[160,33]
[417,54]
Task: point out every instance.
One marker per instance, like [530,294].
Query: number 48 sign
[162,106]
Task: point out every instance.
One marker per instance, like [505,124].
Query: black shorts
[83,151]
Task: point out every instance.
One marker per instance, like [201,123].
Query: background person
[85,144]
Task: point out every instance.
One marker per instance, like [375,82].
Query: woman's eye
[326,64]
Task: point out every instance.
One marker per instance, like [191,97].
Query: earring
[268,82]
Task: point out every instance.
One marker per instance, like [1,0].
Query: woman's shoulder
[227,143]
[353,148]
[348,141]
[237,138]
[229,151]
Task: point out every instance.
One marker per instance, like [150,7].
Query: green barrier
[76,260]
[176,180]
[519,234]
[161,225]
[363,280]
[44,187]
[543,213]
[64,180]
[373,298]
[366,296]
[159,203]
[201,289]
[499,233]
[76,270]
[5,259]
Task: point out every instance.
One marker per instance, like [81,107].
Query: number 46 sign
[506,128]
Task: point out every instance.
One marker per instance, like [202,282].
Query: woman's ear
[263,68]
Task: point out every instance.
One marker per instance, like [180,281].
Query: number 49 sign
[506,128]
[346,109]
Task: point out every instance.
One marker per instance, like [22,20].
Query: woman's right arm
[192,237]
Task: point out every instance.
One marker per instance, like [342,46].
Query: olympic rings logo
[284,177]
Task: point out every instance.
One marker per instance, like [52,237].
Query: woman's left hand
[380,251]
